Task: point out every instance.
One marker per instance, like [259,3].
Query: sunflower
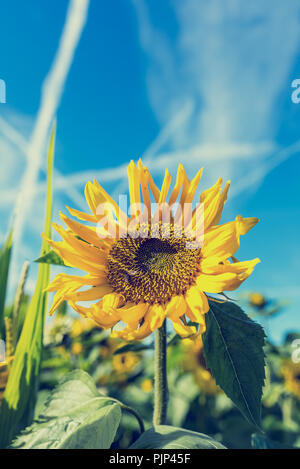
[77,348]
[80,326]
[291,375]
[147,385]
[257,300]
[125,362]
[141,269]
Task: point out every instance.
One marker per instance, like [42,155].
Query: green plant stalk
[133,412]
[17,303]
[161,382]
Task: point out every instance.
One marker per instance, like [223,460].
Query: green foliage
[167,437]
[50,258]
[5,254]
[233,349]
[259,441]
[133,347]
[75,416]
[20,393]
[184,391]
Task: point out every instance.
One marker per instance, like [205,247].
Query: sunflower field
[145,348]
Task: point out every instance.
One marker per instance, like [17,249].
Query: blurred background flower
[193,360]
[291,375]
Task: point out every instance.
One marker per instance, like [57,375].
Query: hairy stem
[161,382]
[136,415]
[132,412]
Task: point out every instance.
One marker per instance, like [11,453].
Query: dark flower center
[152,269]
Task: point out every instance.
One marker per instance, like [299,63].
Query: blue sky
[203,83]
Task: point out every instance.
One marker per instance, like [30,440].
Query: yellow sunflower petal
[95,198]
[132,312]
[184,330]
[87,233]
[185,187]
[217,283]
[145,189]
[134,189]
[155,316]
[111,301]
[87,250]
[154,189]
[133,332]
[210,202]
[81,215]
[73,259]
[102,208]
[197,304]
[221,204]
[94,293]
[96,313]
[212,265]
[245,224]
[63,279]
[193,187]
[64,286]
[121,215]
[58,299]
[176,307]
[178,184]
[223,241]
[165,188]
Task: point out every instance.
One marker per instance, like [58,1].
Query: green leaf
[75,416]
[259,441]
[50,258]
[20,393]
[167,437]
[133,347]
[76,388]
[97,431]
[5,254]
[233,350]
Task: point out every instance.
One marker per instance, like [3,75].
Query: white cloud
[231,59]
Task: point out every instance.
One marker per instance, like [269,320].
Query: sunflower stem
[136,415]
[161,381]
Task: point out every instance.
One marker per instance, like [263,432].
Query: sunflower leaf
[167,437]
[233,350]
[50,258]
[75,416]
[174,339]
[133,347]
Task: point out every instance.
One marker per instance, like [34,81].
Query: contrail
[51,93]
[257,175]
[168,130]
[17,139]
[13,135]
